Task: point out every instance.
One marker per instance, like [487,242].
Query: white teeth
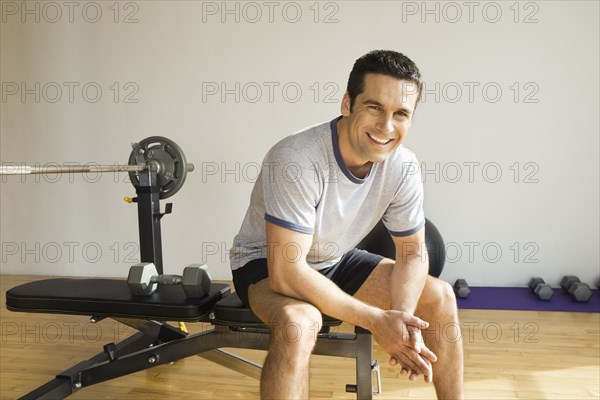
[382,141]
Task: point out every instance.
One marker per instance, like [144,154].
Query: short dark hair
[384,62]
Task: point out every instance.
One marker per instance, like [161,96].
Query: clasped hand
[399,333]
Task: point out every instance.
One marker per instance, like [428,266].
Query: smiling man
[319,193]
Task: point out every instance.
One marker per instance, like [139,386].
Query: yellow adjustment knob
[183,327]
[128,199]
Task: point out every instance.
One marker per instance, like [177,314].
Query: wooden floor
[508,354]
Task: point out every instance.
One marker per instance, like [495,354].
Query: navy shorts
[349,273]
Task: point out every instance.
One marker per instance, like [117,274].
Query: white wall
[540,133]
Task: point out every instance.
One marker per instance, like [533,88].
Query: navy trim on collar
[338,155]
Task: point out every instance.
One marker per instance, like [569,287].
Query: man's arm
[290,275]
[408,277]
[410,271]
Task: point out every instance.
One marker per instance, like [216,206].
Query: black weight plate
[172,165]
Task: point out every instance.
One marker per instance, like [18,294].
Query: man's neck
[362,171]
[358,168]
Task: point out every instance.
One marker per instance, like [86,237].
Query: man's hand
[425,353]
[399,334]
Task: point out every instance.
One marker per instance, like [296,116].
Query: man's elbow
[284,278]
[278,282]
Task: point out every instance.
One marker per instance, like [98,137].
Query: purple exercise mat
[516,298]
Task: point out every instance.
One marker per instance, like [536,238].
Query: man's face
[380,118]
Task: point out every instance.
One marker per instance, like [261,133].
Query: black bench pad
[111,298]
[231,311]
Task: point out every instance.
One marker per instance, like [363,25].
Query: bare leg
[294,326]
[437,306]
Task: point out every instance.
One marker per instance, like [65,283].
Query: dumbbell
[542,290]
[579,291]
[143,280]
[461,288]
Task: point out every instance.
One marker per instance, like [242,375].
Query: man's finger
[415,342]
[428,378]
[420,364]
[415,321]
[412,360]
[427,354]
[407,363]
[420,347]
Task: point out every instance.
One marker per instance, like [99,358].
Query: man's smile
[379,141]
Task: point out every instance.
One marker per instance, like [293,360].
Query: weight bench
[157,168]
[157,342]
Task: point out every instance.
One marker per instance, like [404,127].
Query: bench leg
[63,386]
[234,362]
[364,357]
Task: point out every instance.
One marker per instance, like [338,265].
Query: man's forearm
[304,283]
[408,280]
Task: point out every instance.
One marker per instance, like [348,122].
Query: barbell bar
[68,169]
[157,152]
[74,169]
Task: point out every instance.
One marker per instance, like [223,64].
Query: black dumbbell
[579,291]
[143,280]
[461,288]
[542,290]
[567,280]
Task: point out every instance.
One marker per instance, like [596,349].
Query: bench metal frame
[159,343]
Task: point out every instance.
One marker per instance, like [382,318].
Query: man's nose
[385,125]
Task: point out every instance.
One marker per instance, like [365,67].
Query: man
[319,193]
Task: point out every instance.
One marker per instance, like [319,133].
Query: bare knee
[438,298]
[294,330]
[446,294]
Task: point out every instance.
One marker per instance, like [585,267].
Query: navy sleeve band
[408,232]
[288,225]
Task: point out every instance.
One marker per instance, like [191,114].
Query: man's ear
[345,107]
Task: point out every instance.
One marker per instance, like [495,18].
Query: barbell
[157,152]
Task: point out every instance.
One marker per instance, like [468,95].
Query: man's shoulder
[397,165]
[311,143]
[401,155]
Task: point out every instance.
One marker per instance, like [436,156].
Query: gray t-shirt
[305,186]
